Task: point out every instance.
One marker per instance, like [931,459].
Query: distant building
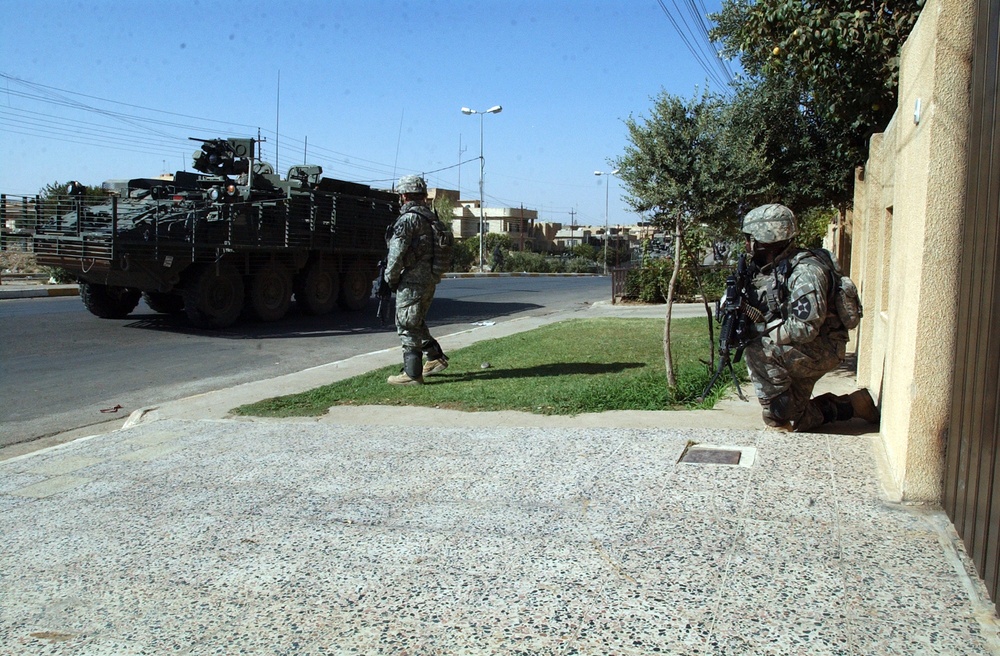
[520,223]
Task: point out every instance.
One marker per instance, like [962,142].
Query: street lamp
[607,186]
[495,109]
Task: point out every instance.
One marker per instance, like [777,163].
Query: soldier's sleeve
[806,307]
[399,242]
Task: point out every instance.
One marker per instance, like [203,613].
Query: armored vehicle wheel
[270,292]
[108,302]
[164,303]
[355,287]
[214,299]
[316,288]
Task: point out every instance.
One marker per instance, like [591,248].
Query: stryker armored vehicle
[231,241]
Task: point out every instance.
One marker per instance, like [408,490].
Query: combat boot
[403,378]
[437,361]
[864,406]
[436,366]
[411,373]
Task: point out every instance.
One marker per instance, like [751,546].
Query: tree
[800,162]
[585,251]
[842,54]
[813,224]
[57,188]
[685,167]
[466,252]
[444,206]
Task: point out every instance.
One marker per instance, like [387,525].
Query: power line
[696,40]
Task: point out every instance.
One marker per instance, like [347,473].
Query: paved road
[60,366]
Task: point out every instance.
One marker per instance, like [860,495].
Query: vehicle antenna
[277,108]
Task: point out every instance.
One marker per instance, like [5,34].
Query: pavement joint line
[154,439]
[149,453]
[50,449]
[50,487]
[60,466]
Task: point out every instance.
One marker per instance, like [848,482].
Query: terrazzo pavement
[401,531]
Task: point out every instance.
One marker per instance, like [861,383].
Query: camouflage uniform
[801,341]
[408,271]
[802,337]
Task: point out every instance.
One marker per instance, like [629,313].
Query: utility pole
[521,228]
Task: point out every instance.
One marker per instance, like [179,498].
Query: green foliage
[801,163]
[60,275]
[495,239]
[843,55]
[528,261]
[579,265]
[444,207]
[813,224]
[618,253]
[59,189]
[465,255]
[585,251]
[466,252]
[648,283]
[564,368]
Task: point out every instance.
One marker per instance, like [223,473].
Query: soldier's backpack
[843,292]
[442,244]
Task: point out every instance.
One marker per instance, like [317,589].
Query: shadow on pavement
[296,324]
[541,371]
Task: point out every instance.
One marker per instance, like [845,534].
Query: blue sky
[370,90]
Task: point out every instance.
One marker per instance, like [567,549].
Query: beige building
[906,232]
[926,255]
[526,232]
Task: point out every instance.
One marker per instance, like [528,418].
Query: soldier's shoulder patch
[802,308]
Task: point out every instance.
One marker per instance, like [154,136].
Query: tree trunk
[668,360]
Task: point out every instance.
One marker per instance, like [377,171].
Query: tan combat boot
[410,375]
[435,366]
[404,379]
[864,406]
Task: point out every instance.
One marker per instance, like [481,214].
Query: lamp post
[495,109]
[607,186]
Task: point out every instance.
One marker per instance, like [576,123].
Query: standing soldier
[409,273]
[802,336]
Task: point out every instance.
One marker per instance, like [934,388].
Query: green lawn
[566,368]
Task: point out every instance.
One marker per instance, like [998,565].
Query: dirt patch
[19,262]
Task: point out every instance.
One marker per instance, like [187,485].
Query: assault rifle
[381,291]
[737,317]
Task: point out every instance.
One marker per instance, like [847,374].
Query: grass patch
[565,368]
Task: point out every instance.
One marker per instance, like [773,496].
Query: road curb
[39,292]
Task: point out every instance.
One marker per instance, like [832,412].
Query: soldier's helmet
[769,224]
[411,184]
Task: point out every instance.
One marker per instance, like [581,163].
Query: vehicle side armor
[231,240]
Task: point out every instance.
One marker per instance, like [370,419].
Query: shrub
[650,283]
[60,275]
[580,265]
[529,262]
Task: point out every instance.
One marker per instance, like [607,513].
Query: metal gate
[972,474]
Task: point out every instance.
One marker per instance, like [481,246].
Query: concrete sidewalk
[419,531]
